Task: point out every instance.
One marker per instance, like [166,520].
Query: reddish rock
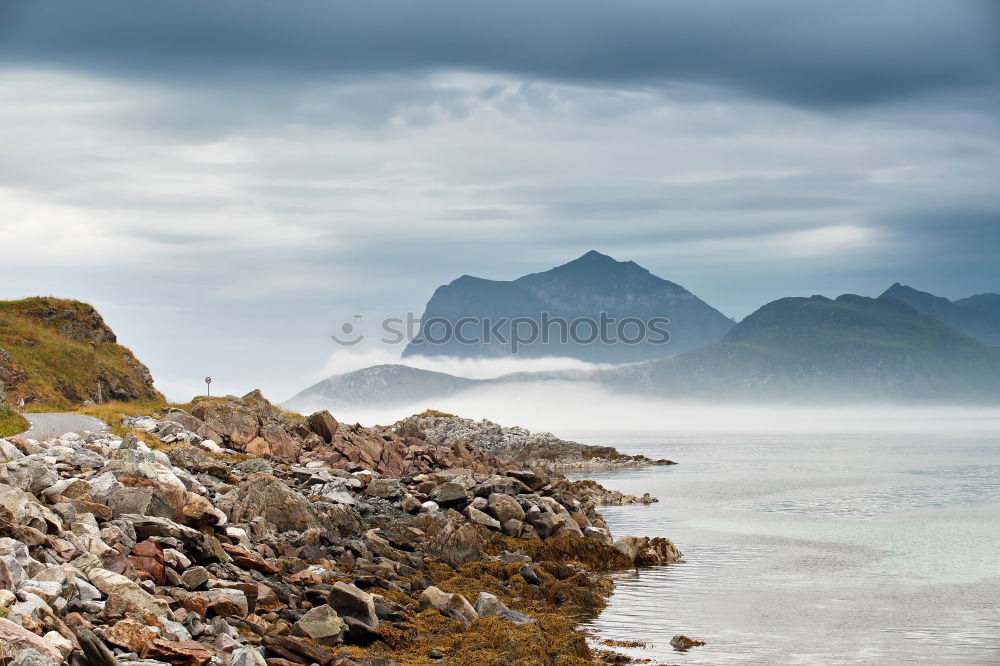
[183,653]
[129,634]
[248,560]
[196,603]
[266,598]
[323,424]
[147,560]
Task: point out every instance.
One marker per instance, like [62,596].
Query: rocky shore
[538,449]
[236,533]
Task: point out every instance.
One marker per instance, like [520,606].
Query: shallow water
[879,549]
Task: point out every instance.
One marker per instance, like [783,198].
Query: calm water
[829,549]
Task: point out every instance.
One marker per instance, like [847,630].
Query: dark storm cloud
[830,54]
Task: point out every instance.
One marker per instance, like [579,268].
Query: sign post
[208,386]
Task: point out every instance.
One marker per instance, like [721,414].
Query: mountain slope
[976,316]
[60,353]
[584,288]
[378,385]
[815,348]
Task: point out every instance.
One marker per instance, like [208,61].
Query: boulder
[350,601]
[182,653]
[323,625]
[21,508]
[450,493]
[129,634]
[480,518]
[266,497]
[505,507]
[454,542]
[680,642]
[125,595]
[487,605]
[236,422]
[644,551]
[224,602]
[140,501]
[15,638]
[247,656]
[323,424]
[280,443]
[450,605]
[194,577]
[31,657]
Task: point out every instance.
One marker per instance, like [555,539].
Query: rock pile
[539,449]
[246,536]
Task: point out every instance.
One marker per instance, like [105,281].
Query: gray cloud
[824,55]
[229,181]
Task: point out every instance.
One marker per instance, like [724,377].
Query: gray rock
[487,605]
[454,606]
[505,507]
[16,638]
[512,527]
[323,625]
[138,501]
[247,656]
[480,518]
[450,492]
[528,573]
[8,451]
[350,601]
[32,657]
[194,577]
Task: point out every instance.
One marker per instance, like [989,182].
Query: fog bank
[560,406]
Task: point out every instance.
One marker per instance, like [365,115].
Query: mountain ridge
[585,288]
[977,316]
[804,349]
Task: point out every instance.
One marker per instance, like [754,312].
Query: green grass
[11,423]
[60,352]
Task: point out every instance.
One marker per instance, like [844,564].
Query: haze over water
[856,547]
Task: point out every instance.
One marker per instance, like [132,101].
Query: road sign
[208,386]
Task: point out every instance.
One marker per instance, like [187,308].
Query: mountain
[389,384]
[60,354]
[851,348]
[583,289]
[976,316]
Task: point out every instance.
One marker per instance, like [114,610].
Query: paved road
[45,426]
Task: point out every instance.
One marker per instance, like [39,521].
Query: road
[46,426]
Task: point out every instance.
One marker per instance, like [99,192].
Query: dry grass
[11,423]
[57,366]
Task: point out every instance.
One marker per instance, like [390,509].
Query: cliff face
[62,353]
[587,287]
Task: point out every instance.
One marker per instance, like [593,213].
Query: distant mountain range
[976,316]
[847,349]
[904,345]
[585,288]
[813,349]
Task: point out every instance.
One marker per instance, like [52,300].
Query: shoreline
[304,541]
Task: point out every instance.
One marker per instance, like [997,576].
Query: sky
[230,181]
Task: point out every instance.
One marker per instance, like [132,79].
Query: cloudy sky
[228,181]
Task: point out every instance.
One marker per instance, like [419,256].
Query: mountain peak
[594,255]
[595,263]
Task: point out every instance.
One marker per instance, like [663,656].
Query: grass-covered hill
[59,354]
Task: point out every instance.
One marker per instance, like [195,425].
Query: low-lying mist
[561,406]
[349,360]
